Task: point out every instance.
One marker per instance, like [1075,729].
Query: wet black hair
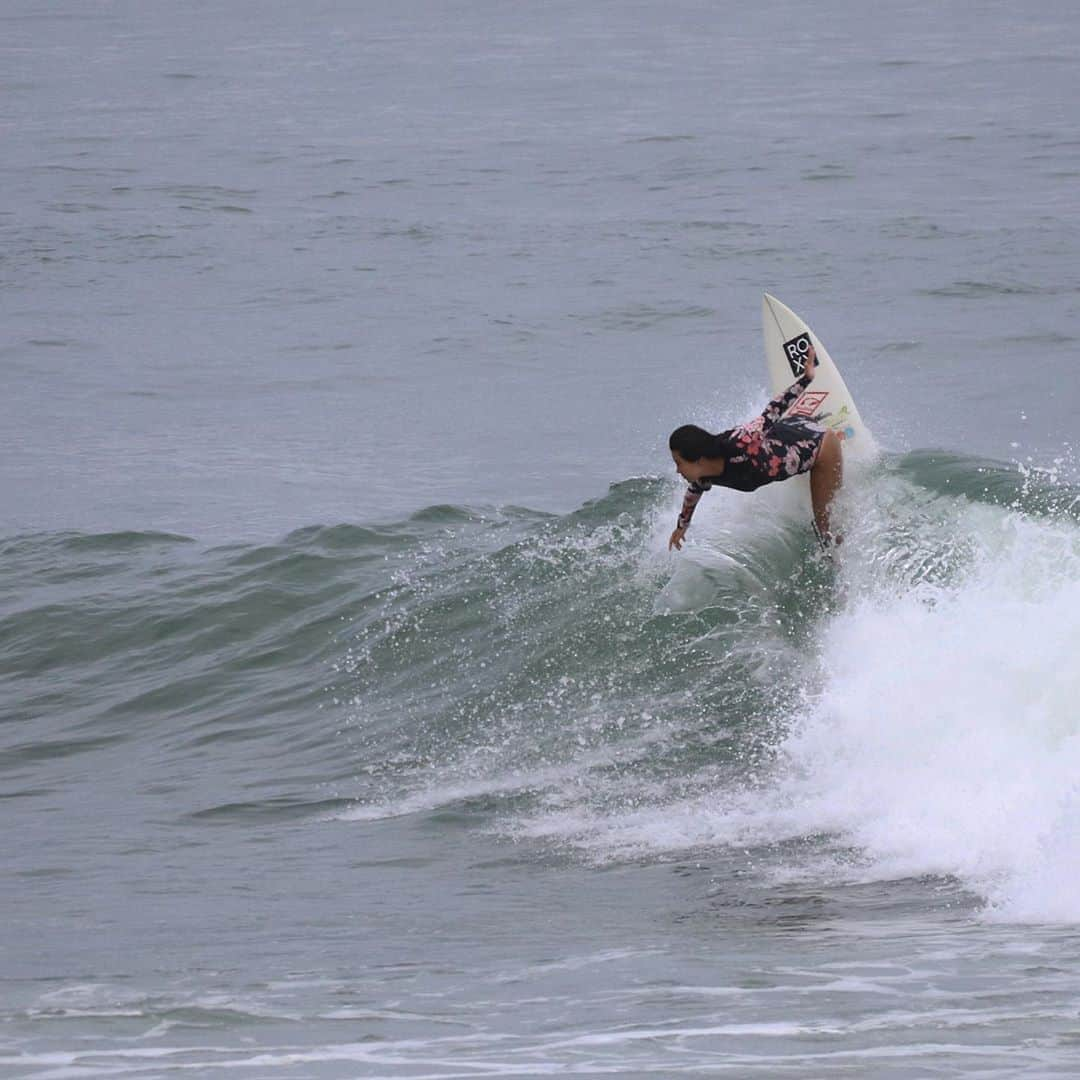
[693,443]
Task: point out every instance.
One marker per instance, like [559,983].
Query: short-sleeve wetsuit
[769,448]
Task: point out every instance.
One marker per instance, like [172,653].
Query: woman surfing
[767,449]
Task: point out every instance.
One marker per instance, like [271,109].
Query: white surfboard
[827,400]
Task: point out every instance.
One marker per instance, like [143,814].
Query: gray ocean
[356,719]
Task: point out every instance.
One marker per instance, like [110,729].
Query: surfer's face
[688,470]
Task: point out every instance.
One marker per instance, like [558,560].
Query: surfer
[768,448]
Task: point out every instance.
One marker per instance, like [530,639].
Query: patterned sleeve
[782,402]
[690,500]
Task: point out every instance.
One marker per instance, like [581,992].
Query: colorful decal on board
[809,403]
[838,422]
[795,352]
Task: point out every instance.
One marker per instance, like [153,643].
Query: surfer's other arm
[782,402]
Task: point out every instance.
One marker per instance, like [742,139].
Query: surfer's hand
[810,361]
[676,539]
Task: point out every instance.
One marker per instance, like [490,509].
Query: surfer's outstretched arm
[690,500]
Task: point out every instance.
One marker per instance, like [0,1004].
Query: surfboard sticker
[810,404]
[795,352]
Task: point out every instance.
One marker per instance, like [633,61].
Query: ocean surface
[356,719]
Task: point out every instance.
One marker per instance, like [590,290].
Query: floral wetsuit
[768,448]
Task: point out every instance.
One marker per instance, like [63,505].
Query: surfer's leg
[825,477]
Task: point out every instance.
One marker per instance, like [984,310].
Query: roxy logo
[795,351]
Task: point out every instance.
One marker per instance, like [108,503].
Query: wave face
[564,681]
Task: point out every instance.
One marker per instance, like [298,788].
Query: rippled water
[357,720]
[266,266]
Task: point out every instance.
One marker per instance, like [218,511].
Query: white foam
[946,738]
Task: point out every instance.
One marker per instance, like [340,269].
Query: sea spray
[947,736]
